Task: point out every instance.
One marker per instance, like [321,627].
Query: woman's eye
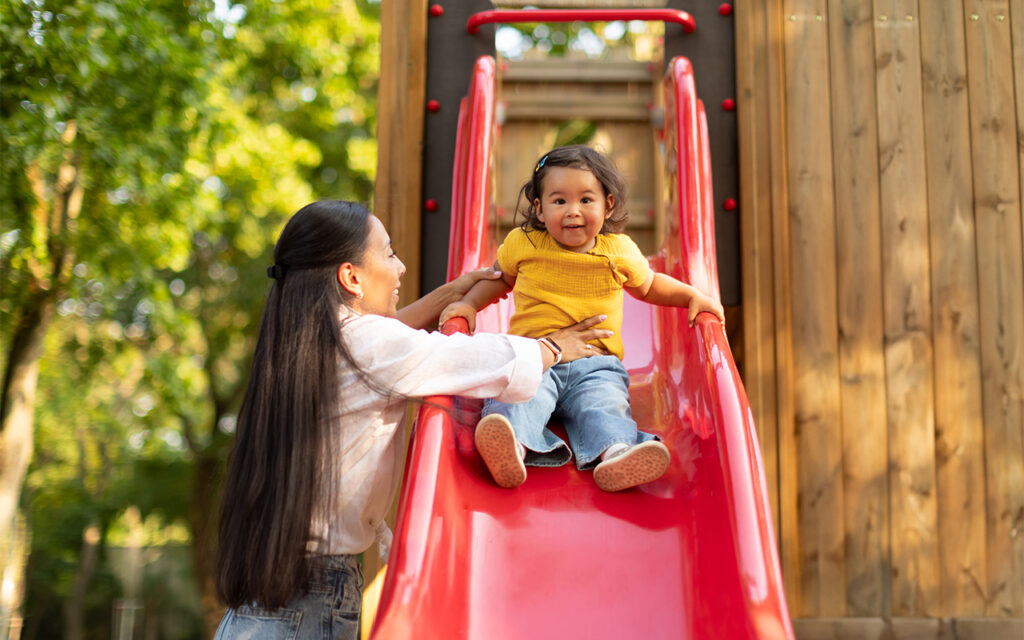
[587,200]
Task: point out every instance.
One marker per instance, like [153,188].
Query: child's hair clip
[541,163]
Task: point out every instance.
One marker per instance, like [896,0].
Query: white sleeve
[418,363]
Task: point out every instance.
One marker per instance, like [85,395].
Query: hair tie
[541,163]
[276,271]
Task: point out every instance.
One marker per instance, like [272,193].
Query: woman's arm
[423,313]
[483,293]
[667,291]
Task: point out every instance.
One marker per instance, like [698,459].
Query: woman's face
[380,273]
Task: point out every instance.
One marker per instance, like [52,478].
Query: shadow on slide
[691,555]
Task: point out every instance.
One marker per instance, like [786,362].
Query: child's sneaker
[635,465]
[503,455]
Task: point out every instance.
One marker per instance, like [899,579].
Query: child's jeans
[329,610]
[591,397]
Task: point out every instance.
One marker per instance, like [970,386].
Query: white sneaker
[640,463]
[496,442]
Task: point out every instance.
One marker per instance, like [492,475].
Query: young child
[569,260]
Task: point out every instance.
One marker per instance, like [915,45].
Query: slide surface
[691,555]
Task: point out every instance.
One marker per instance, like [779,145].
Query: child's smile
[573,207]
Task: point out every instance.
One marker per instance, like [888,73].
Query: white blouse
[414,363]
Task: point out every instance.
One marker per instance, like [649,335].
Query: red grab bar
[505,16]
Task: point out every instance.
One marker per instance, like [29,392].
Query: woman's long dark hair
[277,467]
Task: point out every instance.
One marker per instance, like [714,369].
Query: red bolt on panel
[436,10]
[729,204]
[433,106]
[728,104]
[725,9]
[430,205]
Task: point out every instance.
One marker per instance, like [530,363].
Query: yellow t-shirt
[556,287]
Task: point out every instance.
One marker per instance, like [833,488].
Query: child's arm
[483,293]
[667,291]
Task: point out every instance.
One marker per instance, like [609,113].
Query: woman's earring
[360,295]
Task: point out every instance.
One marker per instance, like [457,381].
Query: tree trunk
[16,438]
[11,620]
[74,609]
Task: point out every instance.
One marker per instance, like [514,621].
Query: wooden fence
[883,305]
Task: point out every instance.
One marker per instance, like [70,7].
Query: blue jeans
[328,611]
[591,397]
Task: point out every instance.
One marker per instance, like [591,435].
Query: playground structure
[882,309]
[691,555]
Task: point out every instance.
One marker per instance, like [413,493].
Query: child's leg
[637,464]
[496,443]
[600,426]
[595,409]
[529,422]
[506,431]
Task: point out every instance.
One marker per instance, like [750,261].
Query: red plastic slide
[690,556]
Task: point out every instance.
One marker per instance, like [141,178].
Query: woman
[315,462]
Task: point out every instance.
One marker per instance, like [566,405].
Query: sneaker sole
[496,442]
[643,463]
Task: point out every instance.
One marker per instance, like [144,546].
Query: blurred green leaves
[158,146]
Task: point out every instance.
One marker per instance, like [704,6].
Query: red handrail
[686,136]
[505,16]
[474,140]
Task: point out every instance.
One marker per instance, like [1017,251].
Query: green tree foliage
[152,151]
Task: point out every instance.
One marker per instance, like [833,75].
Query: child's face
[573,207]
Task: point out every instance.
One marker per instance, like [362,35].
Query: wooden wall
[882,162]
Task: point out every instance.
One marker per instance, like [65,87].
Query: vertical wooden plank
[907,310]
[789,478]
[1017,34]
[400,96]
[859,269]
[753,55]
[997,212]
[813,283]
[959,434]
[397,192]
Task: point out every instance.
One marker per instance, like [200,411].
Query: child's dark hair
[575,157]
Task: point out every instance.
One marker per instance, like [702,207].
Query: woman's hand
[573,339]
[423,313]
[460,286]
[459,310]
[700,302]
